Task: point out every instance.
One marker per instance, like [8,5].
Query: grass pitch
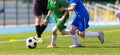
[92,46]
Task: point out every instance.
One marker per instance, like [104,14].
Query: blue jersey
[80,8]
[82,16]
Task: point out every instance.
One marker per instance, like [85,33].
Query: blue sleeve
[73,2]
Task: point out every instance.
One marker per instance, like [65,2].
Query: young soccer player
[60,18]
[40,7]
[81,20]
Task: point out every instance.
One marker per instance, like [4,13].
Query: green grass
[92,46]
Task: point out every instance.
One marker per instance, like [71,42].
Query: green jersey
[54,6]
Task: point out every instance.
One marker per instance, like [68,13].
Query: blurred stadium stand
[17,13]
[2,10]
[104,14]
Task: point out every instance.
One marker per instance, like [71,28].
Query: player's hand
[62,9]
[61,20]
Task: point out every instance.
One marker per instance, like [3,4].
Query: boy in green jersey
[60,18]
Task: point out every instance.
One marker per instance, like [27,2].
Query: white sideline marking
[9,41]
[50,37]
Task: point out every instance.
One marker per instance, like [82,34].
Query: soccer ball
[31,43]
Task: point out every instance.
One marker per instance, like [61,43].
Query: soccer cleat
[75,46]
[39,40]
[101,37]
[52,46]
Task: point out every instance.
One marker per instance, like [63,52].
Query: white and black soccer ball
[31,43]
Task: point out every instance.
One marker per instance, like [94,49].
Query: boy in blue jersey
[81,20]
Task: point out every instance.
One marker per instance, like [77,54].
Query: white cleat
[101,37]
[75,46]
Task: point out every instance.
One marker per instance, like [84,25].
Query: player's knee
[38,17]
[73,31]
[53,31]
[37,20]
[81,34]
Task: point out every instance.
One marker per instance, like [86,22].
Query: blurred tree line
[100,1]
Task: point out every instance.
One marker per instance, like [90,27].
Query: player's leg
[84,25]
[61,27]
[75,38]
[54,38]
[37,26]
[74,34]
[44,24]
[66,32]
[100,35]
[41,29]
[38,5]
[41,8]
[44,11]
[37,13]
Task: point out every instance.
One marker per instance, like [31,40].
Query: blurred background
[14,13]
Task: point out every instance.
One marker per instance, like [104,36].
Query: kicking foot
[39,40]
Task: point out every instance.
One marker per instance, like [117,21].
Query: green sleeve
[48,6]
[64,3]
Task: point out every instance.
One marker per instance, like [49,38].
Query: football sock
[43,27]
[75,39]
[53,40]
[38,30]
[91,34]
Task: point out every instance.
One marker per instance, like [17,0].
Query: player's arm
[63,17]
[46,21]
[71,8]
[50,11]
[48,15]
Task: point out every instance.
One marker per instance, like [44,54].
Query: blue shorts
[81,22]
